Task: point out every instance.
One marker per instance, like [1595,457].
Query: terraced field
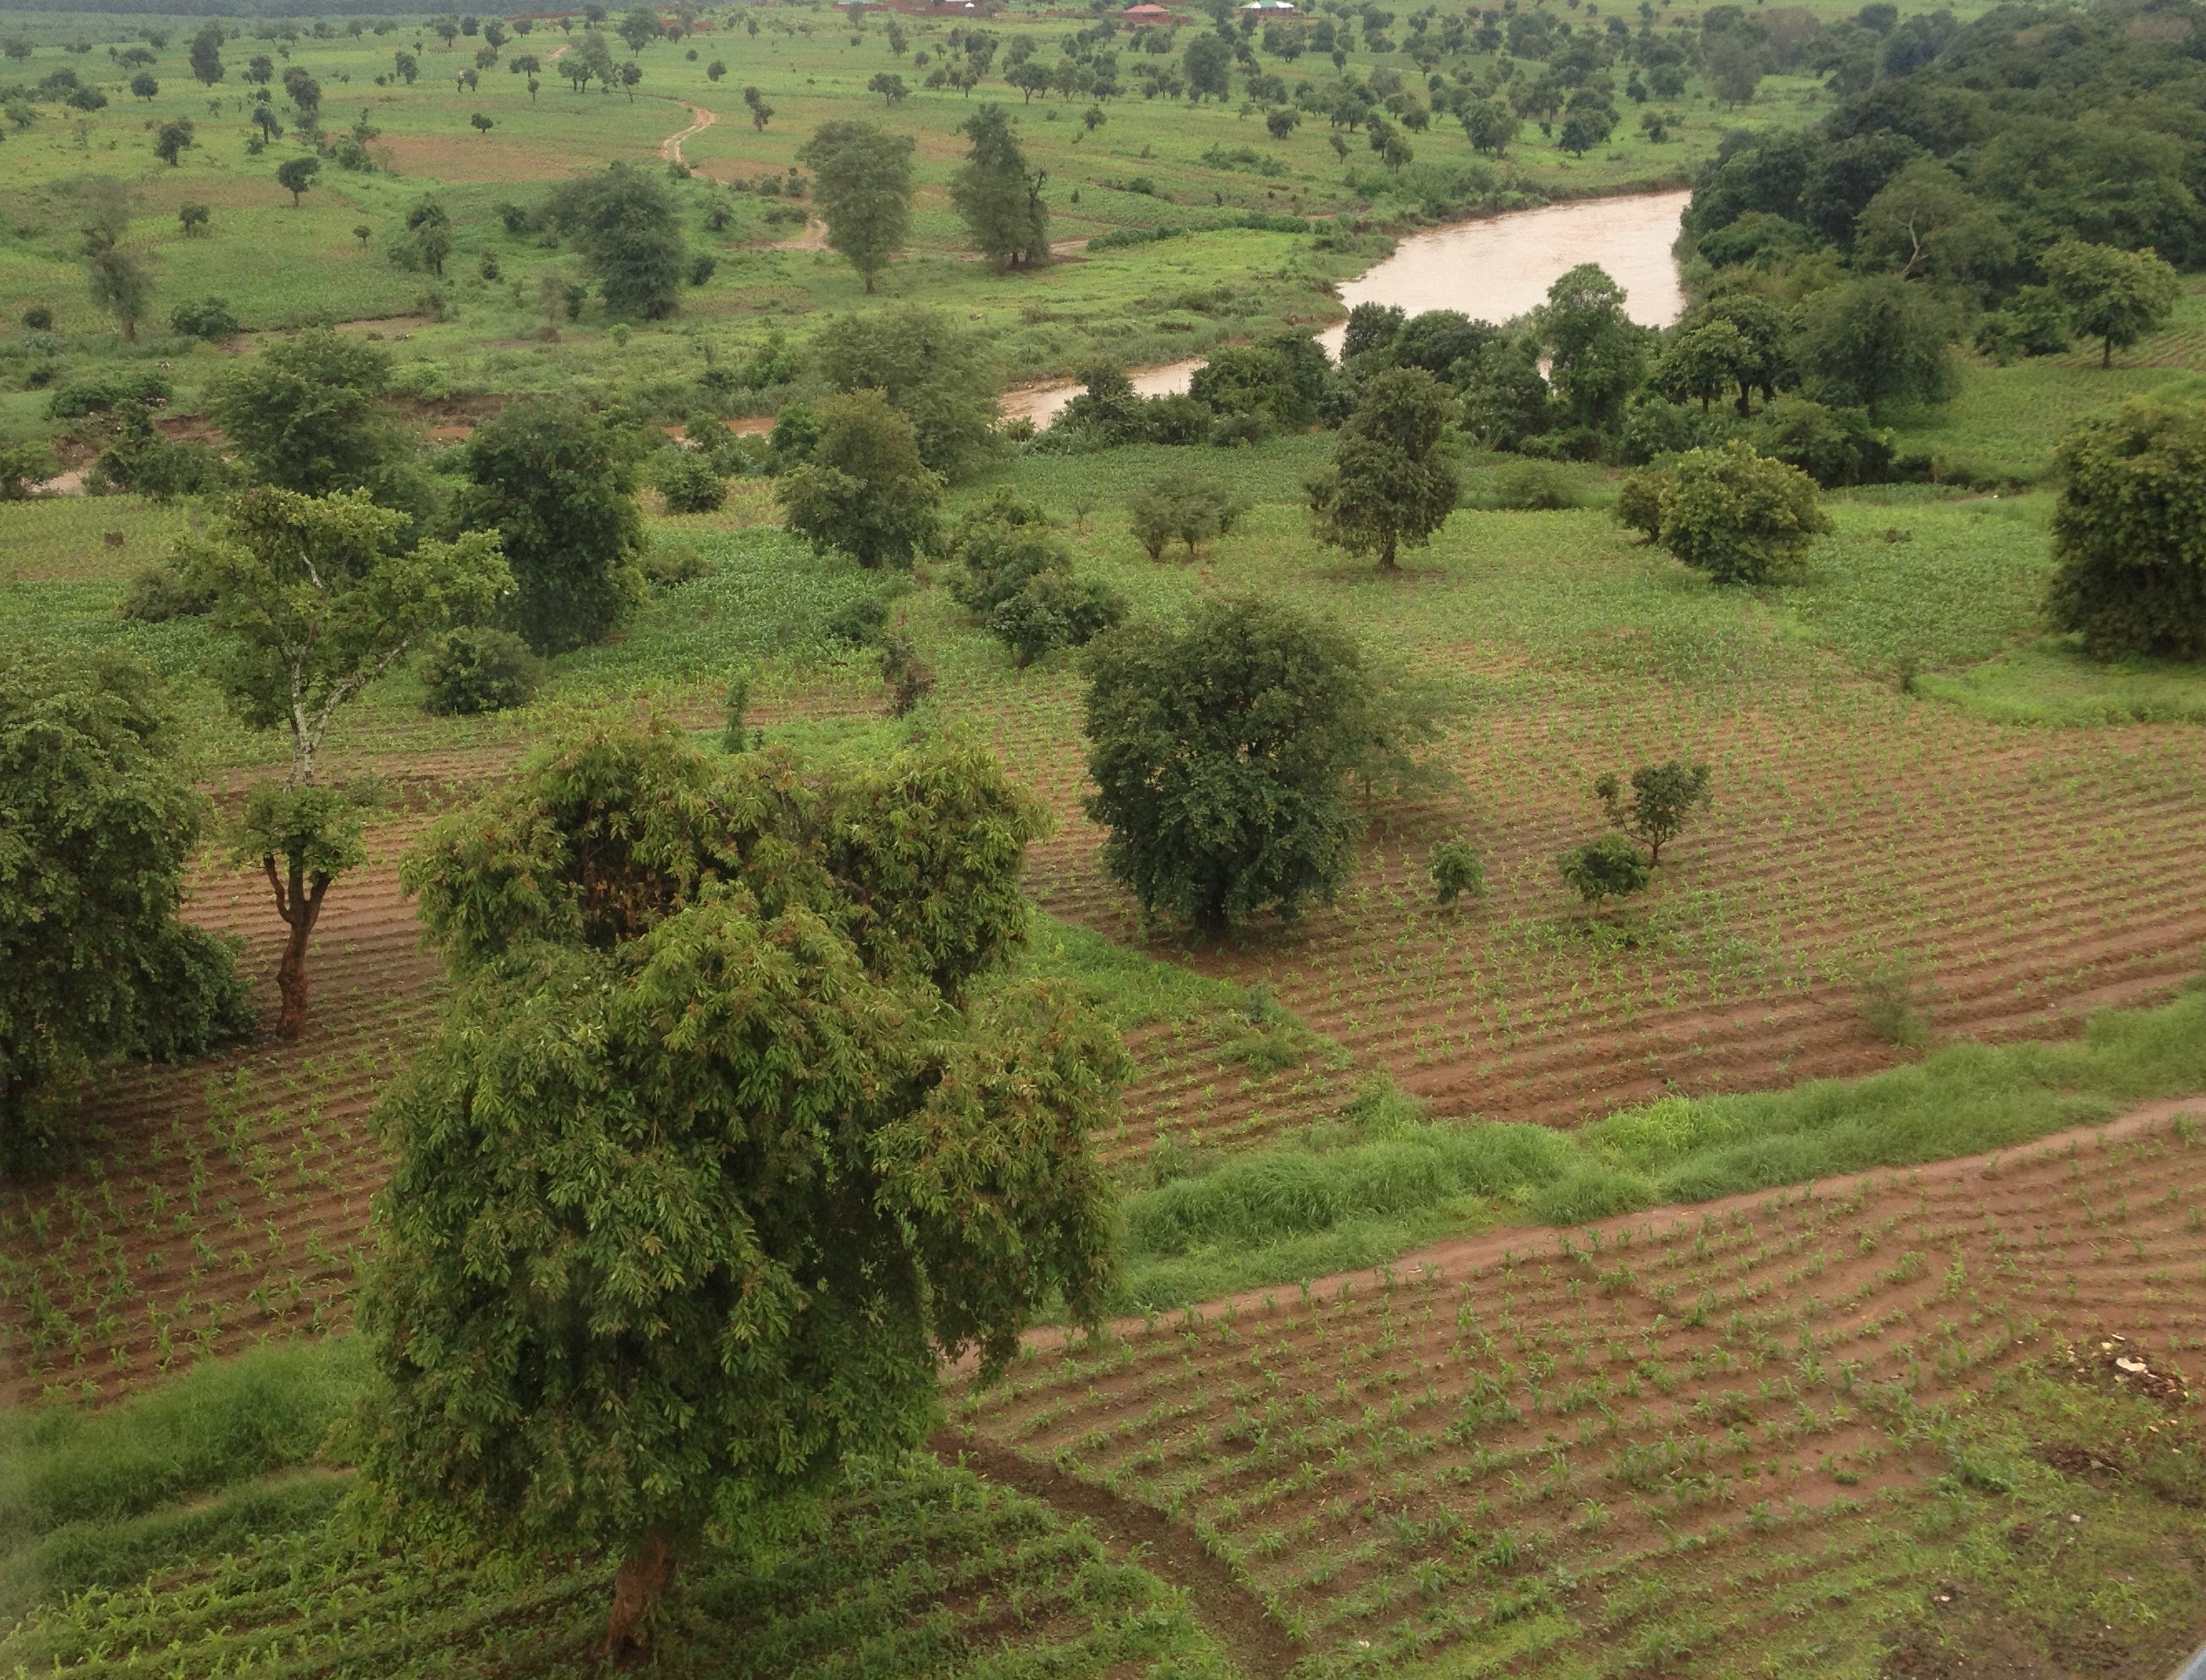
[1783,1426]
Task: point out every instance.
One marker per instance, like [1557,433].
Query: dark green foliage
[302,415]
[1732,513]
[863,487]
[930,371]
[303,836]
[1372,328]
[861,622]
[1596,354]
[1664,797]
[1457,871]
[999,194]
[688,483]
[1609,868]
[1505,397]
[98,821]
[625,224]
[549,478]
[209,319]
[137,457]
[1017,579]
[1108,408]
[1534,486]
[1386,485]
[840,1180]
[735,704]
[1221,754]
[473,670]
[1835,447]
[1053,610]
[2129,534]
[2113,296]
[96,391]
[158,595]
[23,466]
[1282,381]
[861,180]
[1868,343]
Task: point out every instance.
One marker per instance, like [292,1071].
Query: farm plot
[1784,1433]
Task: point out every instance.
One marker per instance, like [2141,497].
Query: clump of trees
[2129,532]
[98,821]
[1663,798]
[1183,508]
[999,194]
[851,1149]
[862,486]
[625,224]
[1017,579]
[1225,753]
[928,369]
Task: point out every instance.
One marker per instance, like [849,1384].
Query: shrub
[1736,514]
[1891,996]
[860,622]
[689,484]
[1639,503]
[158,595]
[1835,447]
[95,393]
[470,670]
[23,467]
[1177,419]
[1535,487]
[668,565]
[1457,871]
[1054,609]
[209,319]
[2130,567]
[1609,868]
[1182,508]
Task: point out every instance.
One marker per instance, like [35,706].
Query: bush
[1535,487]
[1836,447]
[23,467]
[859,622]
[1054,609]
[158,595]
[470,670]
[688,483]
[1177,419]
[1736,514]
[1609,868]
[96,393]
[1457,873]
[2130,570]
[209,319]
[1639,503]
[668,565]
[1182,508]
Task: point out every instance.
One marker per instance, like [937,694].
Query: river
[1493,269]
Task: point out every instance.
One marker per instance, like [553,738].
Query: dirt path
[701,119]
[1229,1611]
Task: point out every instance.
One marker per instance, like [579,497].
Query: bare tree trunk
[638,1587]
[300,904]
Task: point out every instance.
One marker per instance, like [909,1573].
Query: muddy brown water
[1493,269]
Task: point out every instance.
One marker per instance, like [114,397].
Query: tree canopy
[998,195]
[625,224]
[1385,485]
[97,823]
[2129,532]
[848,1148]
[861,182]
[930,371]
[864,487]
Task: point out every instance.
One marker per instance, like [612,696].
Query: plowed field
[1770,1426]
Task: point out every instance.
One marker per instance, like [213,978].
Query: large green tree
[1730,512]
[315,598]
[548,477]
[626,226]
[2113,295]
[98,821]
[304,415]
[2129,534]
[121,282]
[1386,485]
[933,373]
[1876,340]
[1596,354]
[1222,753]
[864,487]
[861,182]
[726,1147]
[999,195]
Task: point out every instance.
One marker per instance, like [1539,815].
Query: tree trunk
[1387,560]
[300,905]
[2106,354]
[638,1587]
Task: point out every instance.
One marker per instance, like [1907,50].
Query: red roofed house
[1148,12]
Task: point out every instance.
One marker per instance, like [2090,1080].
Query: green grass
[1388,1180]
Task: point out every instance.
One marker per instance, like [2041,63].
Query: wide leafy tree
[1871,342]
[864,487]
[2113,295]
[1730,512]
[1386,485]
[999,195]
[933,373]
[304,415]
[315,598]
[626,225]
[2129,534]
[735,1134]
[553,483]
[1222,754]
[861,182]
[98,821]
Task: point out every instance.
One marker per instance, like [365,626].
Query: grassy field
[1630,1383]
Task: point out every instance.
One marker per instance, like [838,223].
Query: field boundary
[1489,1247]
[1228,1610]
